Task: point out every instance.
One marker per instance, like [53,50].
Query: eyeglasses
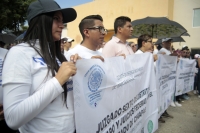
[134,46]
[149,41]
[102,30]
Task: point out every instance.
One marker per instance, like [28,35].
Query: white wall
[183,14]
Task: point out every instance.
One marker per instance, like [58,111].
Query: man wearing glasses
[133,46]
[118,45]
[144,44]
[93,32]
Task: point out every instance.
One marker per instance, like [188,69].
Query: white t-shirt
[65,52]
[100,50]
[82,51]
[33,100]
[155,51]
[2,56]
[139,52]
[167,52]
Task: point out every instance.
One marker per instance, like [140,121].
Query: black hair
[2,44]
[142,38]
[88,22]
[120,22]
[40,28]
[184,48]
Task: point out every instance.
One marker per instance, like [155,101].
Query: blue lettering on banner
[93,80]
[39,60]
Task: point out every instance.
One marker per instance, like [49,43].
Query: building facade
[181,11]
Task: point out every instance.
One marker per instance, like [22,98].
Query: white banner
[185,76]
[165,78]
[116,96]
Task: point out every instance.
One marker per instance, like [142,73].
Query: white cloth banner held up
[185,76]
[165,78]
[116,96]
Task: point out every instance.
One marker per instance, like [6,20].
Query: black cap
[46,6]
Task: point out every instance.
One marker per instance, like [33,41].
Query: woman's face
[57,26]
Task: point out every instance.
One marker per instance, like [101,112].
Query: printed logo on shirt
[39,60]
[93,80]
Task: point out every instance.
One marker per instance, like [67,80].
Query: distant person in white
[166,46]
[145,44]
[133,46]
[66,43]
[93,33]
[35,73]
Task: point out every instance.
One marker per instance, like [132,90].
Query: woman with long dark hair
[35,95]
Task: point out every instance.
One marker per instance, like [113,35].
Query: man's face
[127,30]
[67,45]
[134,47]
[167,44]
[188,53]
[183,53]
[96,36]
[148,45]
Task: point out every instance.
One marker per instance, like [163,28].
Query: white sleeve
[19,106]
[68,54]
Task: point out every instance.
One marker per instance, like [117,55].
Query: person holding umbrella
[35,73]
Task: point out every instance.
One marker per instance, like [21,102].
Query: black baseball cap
[46,6]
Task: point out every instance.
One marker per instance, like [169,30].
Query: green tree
[13,14]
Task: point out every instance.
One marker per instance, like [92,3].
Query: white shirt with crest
[33,100]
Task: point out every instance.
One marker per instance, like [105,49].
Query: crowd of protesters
[36,72]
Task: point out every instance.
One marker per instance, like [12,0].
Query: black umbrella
[158,27]
[186,34]
[174,39]
[7,38]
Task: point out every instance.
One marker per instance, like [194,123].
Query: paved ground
[186,118]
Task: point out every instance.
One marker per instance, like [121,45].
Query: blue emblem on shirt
[39,60]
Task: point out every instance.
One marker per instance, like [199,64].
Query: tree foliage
[13,14]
